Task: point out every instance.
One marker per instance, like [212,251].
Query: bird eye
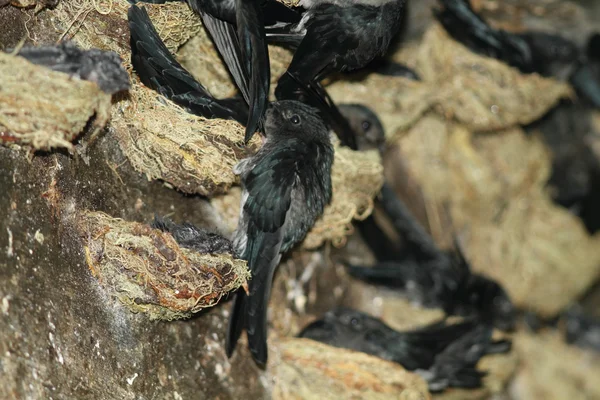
[295,119]
[355,323]
[366,125]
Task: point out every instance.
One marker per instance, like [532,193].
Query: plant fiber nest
[46,109]
[147,270]
[492,189]
[482,93]
[356,178]
[197,155]
[305,369]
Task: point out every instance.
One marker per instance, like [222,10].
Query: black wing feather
[251,34]
[158,69]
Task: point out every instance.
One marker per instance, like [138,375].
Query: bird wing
[158,69]
[253,46]
[269,194]
[418,349]
[466,26]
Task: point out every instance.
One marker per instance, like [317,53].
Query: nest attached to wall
[402,315]
[191,153]
[356,178]
[493,188]
[305,369]
[147,270]
[46,109]
[482,93]
[103,25]
[554,370]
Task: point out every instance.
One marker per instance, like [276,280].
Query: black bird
[390,68]
[237,27]
[366,125]
[105,68]
[529,51]
[158,69]
[586,78]
[580,329]
[286,186]
[434,278]
[194,238]
[334,36]
[445,355]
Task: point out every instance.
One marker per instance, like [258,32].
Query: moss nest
[191,153]
[305,369]
[44,109]
[492,189]
[103,25]
[551,369]
[482,93]
[147,270]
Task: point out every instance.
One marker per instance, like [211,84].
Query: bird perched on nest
[334,36]
[444,354]
[434,278]
[237,28]
[286,186]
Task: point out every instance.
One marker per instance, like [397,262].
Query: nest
[191,153]
[305,369]
[46,109]
[402,315]
[553,370]
[104,26]
[147,270]
[356,178]
[482,93]
[493,188]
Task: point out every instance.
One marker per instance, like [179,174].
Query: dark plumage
[366,125]
[390,68]
[286,186]
[529,51]
[102,67]
[158,69]
[191,237]
[334,36]
[237,28]
[445,355]
[434,278]
[586,77]
[582,330]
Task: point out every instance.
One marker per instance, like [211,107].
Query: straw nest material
[103,24]
[480,92]
[160,139]
[356,178]
[149,272]
[402,315]
[163,141]
[493,187]
[553,370]
[46,109]
[202,60]
[305,369]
